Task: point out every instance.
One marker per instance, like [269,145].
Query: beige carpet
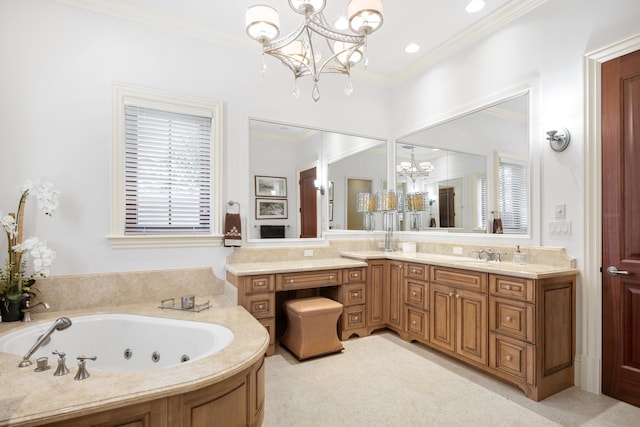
[381,380]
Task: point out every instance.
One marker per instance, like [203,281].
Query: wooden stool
[311,327]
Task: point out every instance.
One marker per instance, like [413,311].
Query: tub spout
[60,324]
[26,312]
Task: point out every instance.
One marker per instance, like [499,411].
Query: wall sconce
[559,139]
[319,187]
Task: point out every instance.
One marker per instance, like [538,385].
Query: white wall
[59,64]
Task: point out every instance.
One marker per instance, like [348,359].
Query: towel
[232,230]
[497,226]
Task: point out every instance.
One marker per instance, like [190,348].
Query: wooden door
[447,207]
[355,220]
[375,294]
[441,317]
[471,325]
[621,228]
[396,301]
[308,204]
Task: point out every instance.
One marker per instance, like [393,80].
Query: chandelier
[412,169]
[303,50]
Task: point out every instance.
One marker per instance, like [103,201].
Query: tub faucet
[26,311]
[60,324]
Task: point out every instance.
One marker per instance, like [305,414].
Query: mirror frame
[532,238]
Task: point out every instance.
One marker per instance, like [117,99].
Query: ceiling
[440,27]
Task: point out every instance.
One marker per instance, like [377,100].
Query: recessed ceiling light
[341,23]
[475,6]
[412,48]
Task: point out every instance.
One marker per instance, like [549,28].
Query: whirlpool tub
[124,342]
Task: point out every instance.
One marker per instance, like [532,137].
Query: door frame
[591,307]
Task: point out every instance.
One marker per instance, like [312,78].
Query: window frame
[515,159]
[161,100]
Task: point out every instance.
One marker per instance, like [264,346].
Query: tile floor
[382,380]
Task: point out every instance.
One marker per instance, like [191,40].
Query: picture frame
[271,186]
[331,191]
[330,211]
[271,208]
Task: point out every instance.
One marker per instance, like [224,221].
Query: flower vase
[11,309]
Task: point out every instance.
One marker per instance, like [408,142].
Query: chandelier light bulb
[365,16]
[475,6]
[262,23]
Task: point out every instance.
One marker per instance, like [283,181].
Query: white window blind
[512,188]
[167,172]
[481,191]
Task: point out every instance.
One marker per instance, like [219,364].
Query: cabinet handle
[355,295]
[356,275]
[261,283]
[414,322]
[290,280]
[457,295]
[260,306]
[508,287]
[355,318]
[508,318]
[508,358]
[414,293]
[450,294]
[330,277]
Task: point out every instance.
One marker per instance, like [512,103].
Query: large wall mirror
[469,174]
[305,181]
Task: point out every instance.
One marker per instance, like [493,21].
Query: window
[512,194]
[481,202]
[166,162]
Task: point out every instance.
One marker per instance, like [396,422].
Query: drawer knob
[356,275]
[508,287]
[508,318]
[414,322]
[260,306]
[457,295]
[261,283]
[331,277]
[414,293]
[508,358]
[355,295]
[355,317]
[450,294]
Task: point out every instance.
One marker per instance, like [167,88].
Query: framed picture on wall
[271,186]
[271,208]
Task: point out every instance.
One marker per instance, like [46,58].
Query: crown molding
[490,24]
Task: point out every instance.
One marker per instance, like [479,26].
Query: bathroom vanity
[515,322]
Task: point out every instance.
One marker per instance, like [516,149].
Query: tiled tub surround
[28,398]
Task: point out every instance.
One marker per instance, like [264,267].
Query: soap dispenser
[519,257]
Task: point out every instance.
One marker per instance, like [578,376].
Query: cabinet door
[375,295]
[471,325]
[396,301]
[441,317]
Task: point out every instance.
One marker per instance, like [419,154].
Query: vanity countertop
[529,271]
[28,398]
[251,268]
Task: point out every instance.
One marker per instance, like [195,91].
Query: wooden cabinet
[236,401]
[532,332]
[416,301]
[377,296]
[458,316]
[353,296]
[396,300]
[257,295]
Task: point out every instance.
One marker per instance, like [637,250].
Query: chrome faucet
[60,324]
[26,311]
[479,253]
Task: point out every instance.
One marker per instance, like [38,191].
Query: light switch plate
[561,211]
[308,252]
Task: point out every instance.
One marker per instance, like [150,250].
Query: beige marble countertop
[529,271]
[249,268]
[28,398]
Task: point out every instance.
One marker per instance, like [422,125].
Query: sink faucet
[60,324]
[479,253]
[26,311]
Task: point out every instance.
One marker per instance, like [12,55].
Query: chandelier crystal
[314,47]
[412,169]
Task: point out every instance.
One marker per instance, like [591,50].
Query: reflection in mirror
[290,155]
[477,178]
[341,165]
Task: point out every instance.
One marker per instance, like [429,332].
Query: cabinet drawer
[354,275]
[417,271]
[264,283]
[353,294]
[512,318]
[270,326]
[312,279]
[261,305]
[416,294]
[511,357]
[512,287]
[466,279]
[418,323]
[353,317]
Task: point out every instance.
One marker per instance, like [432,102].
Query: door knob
[613,271]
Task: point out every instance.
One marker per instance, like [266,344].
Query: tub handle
[82,369]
